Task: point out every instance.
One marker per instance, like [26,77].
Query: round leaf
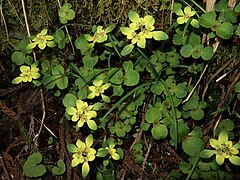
[225,30]
[153,115]
[69,100]
[131,78]
[192,146]
[197,114]
[18,58]
[186,50]
[159,131]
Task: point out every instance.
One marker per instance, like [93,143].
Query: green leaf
[159,131]
[72,148]
[131,78]
[105,98]
[186,50]
[49,81]
[89,60]
[207,53]
[85,169]
[110,28]
[133,16]
[127,49]
[153,115]
[159,35]
[145,126]
[197,114]
[157,88]
[237,32]
[62,83]
[182,130]
[194,23]
[192,146]
[225,30]
[197,131]
[92,125]
[117,78]
[206,153]
[117,90]
[237,8]
[32,168]
[208,19]
[181,90]
[185,167]
[221,6]
[18,57]
[59,169]
[102,152]
[82,44]
[69,100]
[235,160]
[237,87]
[128,65]
[226,125]
[58,70]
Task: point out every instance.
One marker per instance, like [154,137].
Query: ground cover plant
[146,97]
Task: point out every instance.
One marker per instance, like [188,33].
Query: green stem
[124,98]
[168,94]
[200,7]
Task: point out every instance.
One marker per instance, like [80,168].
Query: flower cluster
[224,149]
[42,40]
[98,89]
[99,36]
[28,73]
[141,28]
[109,150]
[185,15]
[82,113]
[83,153]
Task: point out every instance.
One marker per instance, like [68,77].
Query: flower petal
[92,125]
[215,143]
[235,160]
[81,145]
[115,156]
[17,80]
[89,140]
[220,159]
[75,162]
[80,123]
[85,169]
[71,110]
[223,137]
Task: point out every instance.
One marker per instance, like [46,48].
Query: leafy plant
[66,13]
[83,153]
[224,149]
[32,167]
[42,40]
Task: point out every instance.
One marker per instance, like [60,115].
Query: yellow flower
[99,36]
[42,39]
[224,149]
[28,73]
[113,152]
[98,88]
[83,153]
[184,16]
[83,113]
